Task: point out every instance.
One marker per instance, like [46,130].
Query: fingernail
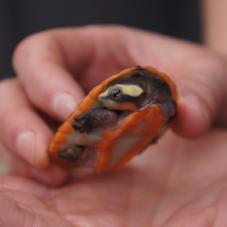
[26,145]
[64,104]
[32,148]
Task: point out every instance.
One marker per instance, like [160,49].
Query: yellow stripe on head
[130,89]
[127,89]
[116,96]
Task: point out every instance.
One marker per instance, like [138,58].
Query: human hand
[47,64]
[176,183]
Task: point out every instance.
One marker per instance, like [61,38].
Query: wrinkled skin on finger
[176,183]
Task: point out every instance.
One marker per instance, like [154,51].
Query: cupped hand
[178,183]
[175,182]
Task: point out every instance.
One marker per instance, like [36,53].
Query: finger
[202,96]
[14,166]
[40,65]
[47,62]
[25,135]
[22,130]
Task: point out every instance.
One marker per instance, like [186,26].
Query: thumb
[202,97]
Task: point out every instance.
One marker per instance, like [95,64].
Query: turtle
[118,119]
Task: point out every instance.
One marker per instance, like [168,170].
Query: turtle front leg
[97,117]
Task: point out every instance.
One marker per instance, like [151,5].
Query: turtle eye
[115,93]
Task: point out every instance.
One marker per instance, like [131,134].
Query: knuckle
[22,48]
[28,47]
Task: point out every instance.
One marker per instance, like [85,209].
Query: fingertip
[193,119]
[32,147]
[63,104]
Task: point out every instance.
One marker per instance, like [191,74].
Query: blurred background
[18,19]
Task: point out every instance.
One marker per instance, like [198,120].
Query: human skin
[178,182]
[214,25]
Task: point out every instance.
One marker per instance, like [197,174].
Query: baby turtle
[117,120]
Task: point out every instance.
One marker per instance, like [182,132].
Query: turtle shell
[110,148]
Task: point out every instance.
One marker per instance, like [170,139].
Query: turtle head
[121,96]
[134,91]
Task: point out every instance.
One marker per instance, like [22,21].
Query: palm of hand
[175,183]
